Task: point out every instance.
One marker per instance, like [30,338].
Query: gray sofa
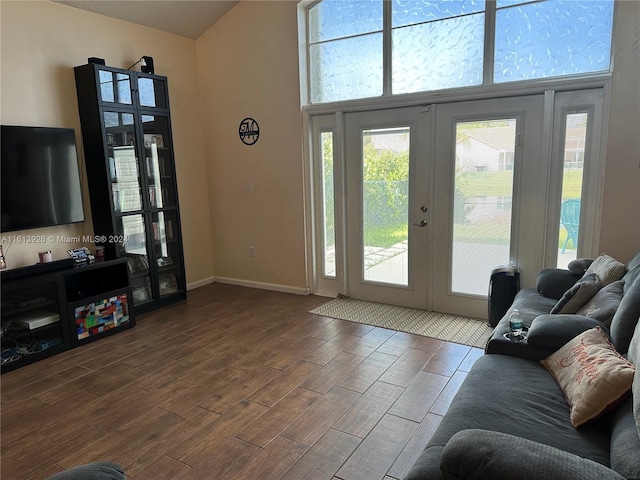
[510,418]
[91,471]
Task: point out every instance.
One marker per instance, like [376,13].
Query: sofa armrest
[482,454]
[91,471]
[552,331]
[553,282]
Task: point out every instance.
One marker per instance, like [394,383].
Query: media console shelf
[52,307]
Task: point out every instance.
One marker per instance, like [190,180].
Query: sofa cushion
[579,294]
[604,303]
[607,268]
[625,442]
[626,317]
[525,401]
[483,455]
[592,375]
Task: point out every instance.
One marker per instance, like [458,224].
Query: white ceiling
[186,18]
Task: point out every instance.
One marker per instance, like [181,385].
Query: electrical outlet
[250,187]
[252,251]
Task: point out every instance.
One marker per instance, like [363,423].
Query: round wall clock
[249,131]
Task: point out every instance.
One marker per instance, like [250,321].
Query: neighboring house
[486,150]
[490,150]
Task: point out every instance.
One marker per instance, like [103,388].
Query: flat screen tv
[39,178]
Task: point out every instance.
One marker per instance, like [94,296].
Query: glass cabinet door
[167,251]
[161,187]
[123,162]
[131,230]
[115,87]
[151,93]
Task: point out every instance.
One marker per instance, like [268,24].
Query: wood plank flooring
[234,383]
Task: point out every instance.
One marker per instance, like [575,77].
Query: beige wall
[248,65]
[620,228]
[41,42]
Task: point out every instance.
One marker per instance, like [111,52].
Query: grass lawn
[476,184]
[500,183]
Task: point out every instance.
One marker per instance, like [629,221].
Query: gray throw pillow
[574,298]
[553,282]
[604,303]
[579,265]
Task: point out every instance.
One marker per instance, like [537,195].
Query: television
[39,178]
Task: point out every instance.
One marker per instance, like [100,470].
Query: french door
[489,197]
[429,200]
[387,200]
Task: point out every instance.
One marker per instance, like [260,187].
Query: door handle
[423,223]
[424,208]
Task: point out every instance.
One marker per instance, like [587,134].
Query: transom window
[372,48]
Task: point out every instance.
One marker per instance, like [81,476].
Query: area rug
[452,328]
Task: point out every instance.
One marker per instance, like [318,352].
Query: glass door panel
[123,162]
[115,87]
[167,251]
[328,206]
[132,230]
[482,202]
[151,93]
[575,140]
[385,205]
[161,191]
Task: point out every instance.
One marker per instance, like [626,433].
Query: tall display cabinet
[128,147]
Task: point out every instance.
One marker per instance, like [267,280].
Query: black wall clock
[249,131]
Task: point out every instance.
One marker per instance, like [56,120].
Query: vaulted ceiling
[186,18]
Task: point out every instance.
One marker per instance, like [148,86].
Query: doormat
[451,328]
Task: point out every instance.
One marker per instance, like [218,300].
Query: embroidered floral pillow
[591,374]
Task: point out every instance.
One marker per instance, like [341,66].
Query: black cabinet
[128,146]
[51,307]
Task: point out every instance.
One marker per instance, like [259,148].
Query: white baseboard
[263,286]
[199,283]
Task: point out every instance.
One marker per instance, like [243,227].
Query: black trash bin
[503,286]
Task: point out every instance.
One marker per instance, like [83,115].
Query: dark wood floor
[234,383]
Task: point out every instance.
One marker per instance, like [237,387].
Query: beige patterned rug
[452,328]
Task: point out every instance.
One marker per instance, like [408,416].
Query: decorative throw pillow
[604,303]
[581,292]
[591,374]
[607,268]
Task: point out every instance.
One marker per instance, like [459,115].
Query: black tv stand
[38,269]
[51,307]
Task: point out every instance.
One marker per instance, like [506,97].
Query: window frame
[333,113]
[488,89]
